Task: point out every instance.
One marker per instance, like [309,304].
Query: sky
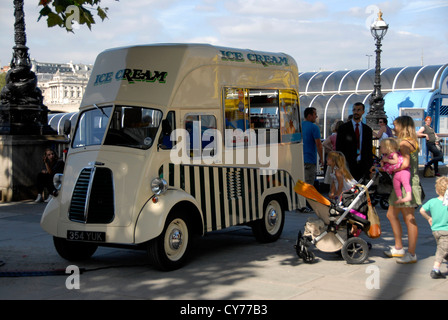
[320,35]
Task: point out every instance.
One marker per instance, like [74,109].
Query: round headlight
[57,180]
[158,185]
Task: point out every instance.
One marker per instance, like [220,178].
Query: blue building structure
[333,93]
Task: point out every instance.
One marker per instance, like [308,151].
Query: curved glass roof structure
[333,93]
[56,120]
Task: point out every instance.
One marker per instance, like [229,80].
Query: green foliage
[2,80]
[62,12]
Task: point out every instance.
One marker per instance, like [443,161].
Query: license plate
[94,236]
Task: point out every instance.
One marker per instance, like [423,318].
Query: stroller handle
[368,185]
[372,180]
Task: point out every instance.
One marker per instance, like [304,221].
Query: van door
[203,136]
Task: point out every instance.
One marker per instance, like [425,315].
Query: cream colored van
[174,141]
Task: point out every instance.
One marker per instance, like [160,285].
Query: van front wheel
[74,251]
[270,227]
[170,249]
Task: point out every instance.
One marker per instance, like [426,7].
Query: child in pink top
[391,161]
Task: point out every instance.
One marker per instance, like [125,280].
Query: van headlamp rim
[159,186]
[57,180]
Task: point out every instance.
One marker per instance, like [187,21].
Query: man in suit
[354,140]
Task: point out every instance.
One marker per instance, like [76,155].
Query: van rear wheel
[270,227]
[169,251]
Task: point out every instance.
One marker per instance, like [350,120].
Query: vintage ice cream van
[174,141]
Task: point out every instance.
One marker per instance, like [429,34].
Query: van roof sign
[131,76]
[263,59]
[161,74]
[139,75]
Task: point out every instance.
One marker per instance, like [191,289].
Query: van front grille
[93,197]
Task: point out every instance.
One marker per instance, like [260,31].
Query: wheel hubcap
[273,216]
[355,250]
[176,239]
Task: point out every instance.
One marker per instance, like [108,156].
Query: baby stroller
[382,188]
[332,230]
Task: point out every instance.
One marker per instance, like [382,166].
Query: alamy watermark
[373,10]
[373,280]
[236,147]
[73,280]
[73,17]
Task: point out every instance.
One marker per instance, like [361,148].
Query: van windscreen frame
[119,125]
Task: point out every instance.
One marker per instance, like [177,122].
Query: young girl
[438,220]
[391,161]
[341,179]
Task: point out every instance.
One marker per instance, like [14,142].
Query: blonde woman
[407,136]
[341,179]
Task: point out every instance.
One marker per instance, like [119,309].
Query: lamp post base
[24,120]
[372,120]
[21,161]
[376,111]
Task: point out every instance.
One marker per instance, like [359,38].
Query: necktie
[357,136]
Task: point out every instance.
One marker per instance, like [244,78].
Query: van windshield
[130,126]
[91,127]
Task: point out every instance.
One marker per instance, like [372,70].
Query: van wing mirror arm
[67,127]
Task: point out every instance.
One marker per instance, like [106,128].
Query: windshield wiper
[101,109]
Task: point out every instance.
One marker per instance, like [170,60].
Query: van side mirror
[67,127]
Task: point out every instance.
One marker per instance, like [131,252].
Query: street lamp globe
[379,27]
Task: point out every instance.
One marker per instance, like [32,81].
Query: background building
[62,84]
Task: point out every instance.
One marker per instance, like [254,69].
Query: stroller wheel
[307,256]
[302,249]
[384,203]
[355,251]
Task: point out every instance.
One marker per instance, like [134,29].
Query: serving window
[271,115]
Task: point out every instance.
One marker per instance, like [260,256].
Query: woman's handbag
[375,225]
[428,172]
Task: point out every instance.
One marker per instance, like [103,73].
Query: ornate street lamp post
[21,106]
[24,129]
[378,29]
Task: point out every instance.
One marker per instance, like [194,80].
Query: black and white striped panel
[228,196]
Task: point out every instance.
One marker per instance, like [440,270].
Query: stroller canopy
[309,192]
